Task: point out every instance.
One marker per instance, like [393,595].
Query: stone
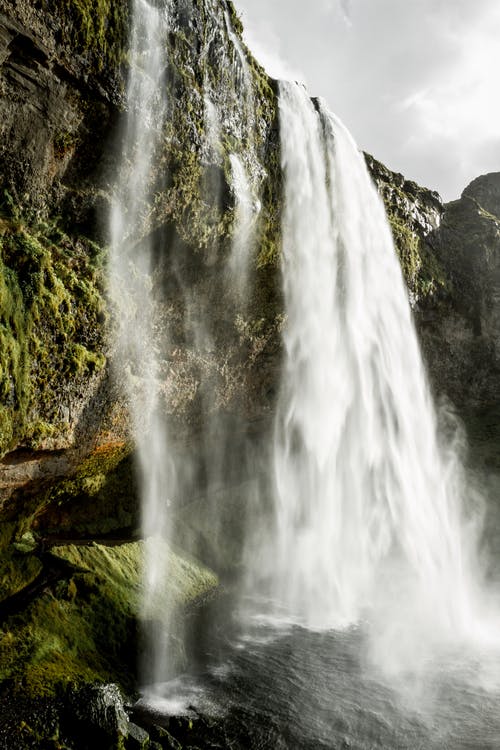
[100,708]
[26,544]
[137,737]
[164,738]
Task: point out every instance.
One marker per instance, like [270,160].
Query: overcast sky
[416,81]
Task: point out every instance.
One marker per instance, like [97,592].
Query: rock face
[450,255]
[414,214]
[60,94]
[460,331]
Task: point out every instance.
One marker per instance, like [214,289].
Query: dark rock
[164,738]
[414,214]
[27,724]
[137,738]
[99,710]
[486,191]
[460,332]
[450,257]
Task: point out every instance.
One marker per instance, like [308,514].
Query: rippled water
[282,686]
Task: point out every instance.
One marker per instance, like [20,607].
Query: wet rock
[164,739]
[414,213]
[137,738]
[450,256]
[100,711]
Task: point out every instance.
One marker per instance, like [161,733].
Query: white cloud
[345,7]
[416,81]
[266,48]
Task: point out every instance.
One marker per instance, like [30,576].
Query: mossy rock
[422,271]
[52,320]
[99,498]
[16,572]
[97,28]
[84,627]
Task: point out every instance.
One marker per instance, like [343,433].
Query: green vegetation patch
[421,269]
[84,627]
[51,325]
[16,571]
[99,498]
[96,27]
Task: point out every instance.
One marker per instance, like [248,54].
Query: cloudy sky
[416,81]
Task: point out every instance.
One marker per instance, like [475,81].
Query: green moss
[96,27]
[407,245]
[37,433]
[99,498]
[84,628]
[423,274]
[16,572]
[235,19]
[51,321]
[82,361]
[64,142]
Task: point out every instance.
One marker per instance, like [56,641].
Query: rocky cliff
[66,472]
[460,331]
[450,257]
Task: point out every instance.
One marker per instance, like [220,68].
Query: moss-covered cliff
[414,214]
[66,473]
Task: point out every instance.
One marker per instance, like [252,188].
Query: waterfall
[369,512]
[244,234]
[136,317]
[171,473]
[368,506]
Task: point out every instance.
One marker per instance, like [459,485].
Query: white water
[165,471]
[370,516]
[132,291]
[245,82]
[246,211]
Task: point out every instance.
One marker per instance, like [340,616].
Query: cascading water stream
[166,471]
[132,293]
[368,505]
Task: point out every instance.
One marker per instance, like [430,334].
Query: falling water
[244,232]
[245,82]
[368,504]
[369,515]
[132,292]
[168,472]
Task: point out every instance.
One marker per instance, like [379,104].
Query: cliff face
[460,332]
[415,214]
[450,258]
[66,472]
[60,94]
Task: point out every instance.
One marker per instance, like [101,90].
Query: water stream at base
[290,688]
